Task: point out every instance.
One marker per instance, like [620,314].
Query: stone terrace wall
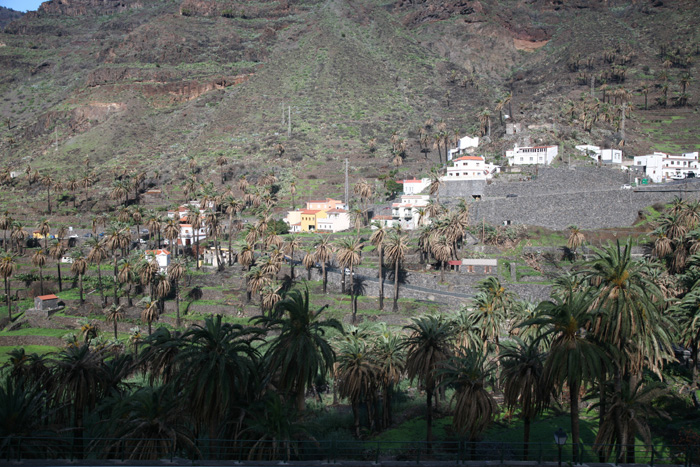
[561,180]
[588,197]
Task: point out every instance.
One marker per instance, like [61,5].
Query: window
[531,158]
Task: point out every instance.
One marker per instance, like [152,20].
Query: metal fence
[184,449]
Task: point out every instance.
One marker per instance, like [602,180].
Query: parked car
[347,272]
[678,176]
[626,187]
[690,175]
[511,195]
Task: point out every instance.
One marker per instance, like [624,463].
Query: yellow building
[309,217]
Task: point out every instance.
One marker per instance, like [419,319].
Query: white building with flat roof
[414,186]
[336,220]
[409,212]
[604,156]
[466,145]
[534,155]
[662,167]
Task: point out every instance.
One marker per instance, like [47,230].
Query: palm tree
[233,207]
[349,255]
[95,256]
[156,418]
[39,260]
[7,268]
[358,378]
[323,254]
[114,314]
[117,239]
[292,244]
[475,407]
[57,251]
[79,267]
[428,346]
[171,231]
[6,223]
[219,368]
[256,281]
[441,250]
[161,289]
[48,182]
[377,239]
[196,218]
[18,236]
[396,250]
[308,260]
[523,382]
[149,313]
[390,357]
[87,182]
[364,190]
[576,239]
[44,230]
[573,358]
[301,350]
[434,188]
[80,380]
[154,228]
[628,309]
[176,271]
[627,417]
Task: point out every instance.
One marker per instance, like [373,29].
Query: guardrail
[183,449]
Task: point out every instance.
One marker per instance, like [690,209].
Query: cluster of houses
[661,167]
[329,215]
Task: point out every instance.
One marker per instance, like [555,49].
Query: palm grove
[605,334]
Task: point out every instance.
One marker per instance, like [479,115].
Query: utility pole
[289,128]
[347,186]
[282,114]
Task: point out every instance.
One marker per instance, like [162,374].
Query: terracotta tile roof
[310,211]
[157,252]
[334,210]
[382,218]
[47,297]
[469,158]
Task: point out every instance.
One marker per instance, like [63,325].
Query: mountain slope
[148,85]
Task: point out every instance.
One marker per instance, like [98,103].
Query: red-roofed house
[325,205]
[162,257]
[46,303]
[470,168]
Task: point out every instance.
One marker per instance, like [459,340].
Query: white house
[540,155]
[466,145]
[604,156]
[414,186]
[663,167]
[162,257]
[336,220]
[383,221]
[470,168]
[409,212]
